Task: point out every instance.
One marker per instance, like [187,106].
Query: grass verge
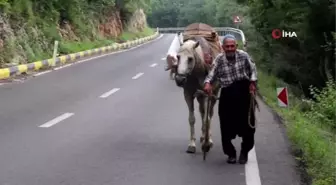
[312,139]
[67,47]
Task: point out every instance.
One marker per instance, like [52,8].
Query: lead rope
[252,110]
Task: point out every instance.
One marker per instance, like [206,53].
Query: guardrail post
[55,53]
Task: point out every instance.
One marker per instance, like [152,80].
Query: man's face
[230,47]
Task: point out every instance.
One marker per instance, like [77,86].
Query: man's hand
[253,88]
[208,88]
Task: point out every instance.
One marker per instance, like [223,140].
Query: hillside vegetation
[28,28]
[305,64]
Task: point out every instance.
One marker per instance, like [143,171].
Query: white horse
[191,70]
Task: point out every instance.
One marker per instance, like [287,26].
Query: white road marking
[137,76]
[109,93]
[96,57]
[5,83]
[41,73]
[163,58]
[63,66]
[153,65]
[252,176]
[57,120]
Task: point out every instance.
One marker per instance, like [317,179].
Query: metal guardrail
[239,34]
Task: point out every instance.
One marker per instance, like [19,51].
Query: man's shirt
[228,72]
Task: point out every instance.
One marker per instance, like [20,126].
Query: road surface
[119,120]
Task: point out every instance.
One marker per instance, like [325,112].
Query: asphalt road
[112,129]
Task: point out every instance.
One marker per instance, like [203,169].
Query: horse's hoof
[206,148]
[201,139]
[191,149]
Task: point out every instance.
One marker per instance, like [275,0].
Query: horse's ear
[180,41]
[196,44]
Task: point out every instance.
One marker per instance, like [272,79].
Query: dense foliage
[30,27]
[301,61]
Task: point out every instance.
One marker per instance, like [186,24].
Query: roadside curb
[36,66]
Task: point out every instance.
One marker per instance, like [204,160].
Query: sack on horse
[210,49]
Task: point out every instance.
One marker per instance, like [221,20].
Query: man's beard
[230,55]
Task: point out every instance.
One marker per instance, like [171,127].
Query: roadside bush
[324,105]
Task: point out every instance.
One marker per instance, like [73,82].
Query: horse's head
[186,61]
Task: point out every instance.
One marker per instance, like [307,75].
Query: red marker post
[237,20]
[282,95]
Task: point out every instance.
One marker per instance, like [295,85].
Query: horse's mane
[187,46]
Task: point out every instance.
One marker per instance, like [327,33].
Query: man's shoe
[243,158]
[231,160]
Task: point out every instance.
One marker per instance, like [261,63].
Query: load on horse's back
[205,31]
[194,58]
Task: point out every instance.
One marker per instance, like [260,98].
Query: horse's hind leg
[190,102]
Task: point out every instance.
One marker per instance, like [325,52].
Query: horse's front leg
[211,113]
[206,121]
[190,103]
[201,102]
[211,110]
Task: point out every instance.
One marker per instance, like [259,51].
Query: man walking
[237,75]
[171,59]
[172,51]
